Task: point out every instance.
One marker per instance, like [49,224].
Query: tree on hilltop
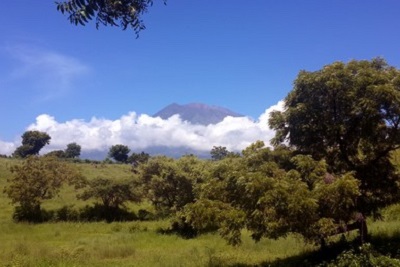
[119,153]
[32,143]
[73,150]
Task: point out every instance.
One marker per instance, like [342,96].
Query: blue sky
[242,55]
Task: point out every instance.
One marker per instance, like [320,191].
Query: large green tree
[271,197]
[32,143]
[349,115]
[122,13]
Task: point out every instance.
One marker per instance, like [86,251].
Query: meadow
[140,243]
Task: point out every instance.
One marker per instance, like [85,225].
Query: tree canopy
[138,158]
[119,152]
[112,193]
[32,143]
[349,115]
[168,184]
[38,179]
[120,13]
[73,150]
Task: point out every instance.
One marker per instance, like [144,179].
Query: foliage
[365,256]
[108,244]
[100,212]
[31,214]
[220,152]
[39,179]
[138,158]
[257,193]
[168,187]
[56,153]
[32,143]
[126,13]
[349,115]
[205,215]
[72,151]
[119,153]
[112,193]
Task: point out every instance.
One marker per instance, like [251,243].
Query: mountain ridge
[197,113]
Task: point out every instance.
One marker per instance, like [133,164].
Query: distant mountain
[197,113]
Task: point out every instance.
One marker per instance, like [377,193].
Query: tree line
[329,169]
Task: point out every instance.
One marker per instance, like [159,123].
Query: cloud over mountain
[141,132]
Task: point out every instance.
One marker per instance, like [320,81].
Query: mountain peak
[196,113]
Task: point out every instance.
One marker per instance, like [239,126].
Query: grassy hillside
[140,244]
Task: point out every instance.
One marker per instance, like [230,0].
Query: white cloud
[43,69]
[7,148]
[142,131]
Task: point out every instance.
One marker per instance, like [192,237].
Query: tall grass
[129,244]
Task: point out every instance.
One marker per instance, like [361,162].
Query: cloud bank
[140,132]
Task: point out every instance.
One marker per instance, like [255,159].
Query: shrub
[33,215]
[365,256]
[102,213]
[66,213]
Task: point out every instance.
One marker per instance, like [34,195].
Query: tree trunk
[360,224]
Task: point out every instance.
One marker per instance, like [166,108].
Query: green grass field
[139,244]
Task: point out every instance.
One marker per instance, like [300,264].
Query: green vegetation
[299,201]
[349,116]
[32,143]
[72,151]
[119,153]
[140,243]
[108,13]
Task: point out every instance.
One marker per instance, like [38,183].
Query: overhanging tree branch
[120,13]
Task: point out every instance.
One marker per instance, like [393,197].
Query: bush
[365,256]
[32,214]
[144,215]
[180,228]
[392,213]
[66,213]
[102,213]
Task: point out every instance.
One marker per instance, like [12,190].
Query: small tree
[38,179]
[165,184]
[138,158]
[113,194]
[72,151]
[119,153]
[32,143]
[220,152]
